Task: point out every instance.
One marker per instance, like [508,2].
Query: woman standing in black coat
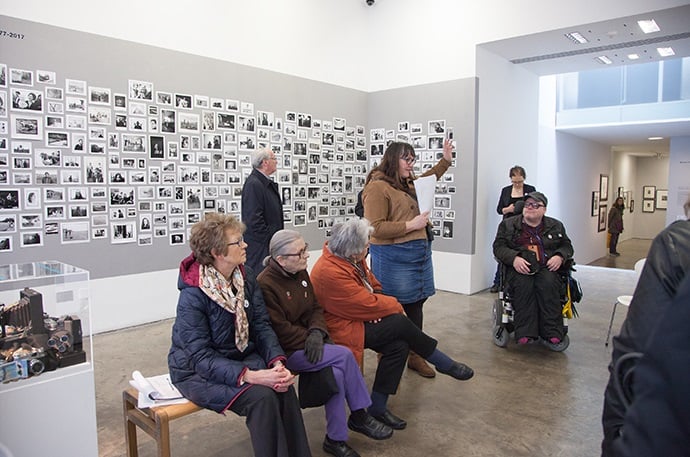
[510,195]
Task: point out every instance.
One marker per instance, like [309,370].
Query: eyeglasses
[238,242]
[533,205]
[301,253]
[410,160]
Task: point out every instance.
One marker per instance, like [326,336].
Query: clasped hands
[277,377]
[521,265]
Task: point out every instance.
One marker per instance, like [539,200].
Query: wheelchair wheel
[560,347]
[501,336]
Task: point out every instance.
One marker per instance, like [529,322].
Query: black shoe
[374,429]
[494,289]
[338,448]
[391,420]
[458,371]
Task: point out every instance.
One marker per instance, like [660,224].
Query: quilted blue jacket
[204,363]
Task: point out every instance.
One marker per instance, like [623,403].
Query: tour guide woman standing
[401,242]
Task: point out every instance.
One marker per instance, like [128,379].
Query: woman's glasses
[238,242]
[410,160]
[301,253]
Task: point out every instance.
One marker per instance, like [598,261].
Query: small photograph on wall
[8,223]
[3,75]
[45,77]
[602,218]
[661,199]
[31,239]
[99,95]
[447,229]
[177,239]
[140,90]
[632,206]
[157,150]
[648,192]
[437,127]
[9,199]
[647,206]
[75,87]
[183,101]
[603,188]
[5,243]
[123,232]
[164,98]
[27,99]
[74,232]
[26,127]
[30,221]
[21,77]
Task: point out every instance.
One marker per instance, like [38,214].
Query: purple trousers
[351,385]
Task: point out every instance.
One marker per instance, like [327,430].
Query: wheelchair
[503,312]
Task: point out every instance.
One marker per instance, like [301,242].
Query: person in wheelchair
[535,250]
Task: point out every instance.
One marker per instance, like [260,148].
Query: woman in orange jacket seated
[359,316]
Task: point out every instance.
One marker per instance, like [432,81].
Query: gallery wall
[122,157]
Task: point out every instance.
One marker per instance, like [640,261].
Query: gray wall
[456,103]
[110,63]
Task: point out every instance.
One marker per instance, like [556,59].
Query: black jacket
[505,199]
[666,266]
[658,420]
[262,213]
[556,241]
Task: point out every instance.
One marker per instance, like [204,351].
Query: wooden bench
[154,421]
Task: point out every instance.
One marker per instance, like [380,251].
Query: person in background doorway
[510,195]
[615,224]
[262,209]
[401,241]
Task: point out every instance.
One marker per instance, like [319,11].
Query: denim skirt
[404,270]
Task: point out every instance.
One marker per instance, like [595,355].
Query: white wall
[395,43]
[678,178]
[650,172]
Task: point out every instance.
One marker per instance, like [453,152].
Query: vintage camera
[32,342]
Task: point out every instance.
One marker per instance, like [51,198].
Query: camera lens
[36,366]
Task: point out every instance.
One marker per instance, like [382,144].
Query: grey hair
[259,156]
[686,207]
[349,238]
[280,242]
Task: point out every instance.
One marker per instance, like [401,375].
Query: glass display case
[46,365]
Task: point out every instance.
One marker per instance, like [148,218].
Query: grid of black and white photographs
[81,161]
[427,140]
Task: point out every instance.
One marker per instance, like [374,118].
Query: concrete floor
[523,401]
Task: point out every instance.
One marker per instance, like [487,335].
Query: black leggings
[415,312]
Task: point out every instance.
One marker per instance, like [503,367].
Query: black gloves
[313,346]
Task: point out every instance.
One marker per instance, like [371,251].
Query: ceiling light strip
[603,49]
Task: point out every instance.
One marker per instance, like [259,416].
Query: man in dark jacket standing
[534,248]
[262,210]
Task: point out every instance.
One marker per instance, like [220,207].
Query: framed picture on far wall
[602,218]
[647,206]
[632,205]
[595,203]
[603,188]
[661,199]
[648,192]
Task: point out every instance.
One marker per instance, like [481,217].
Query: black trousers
[537,304]
[393,338]
[274,421]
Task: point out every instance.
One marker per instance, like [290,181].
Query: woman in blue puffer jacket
[224,352]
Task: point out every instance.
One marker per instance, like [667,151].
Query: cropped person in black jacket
[534,248]
[667,264]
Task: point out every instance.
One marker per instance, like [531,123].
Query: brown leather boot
[418,364]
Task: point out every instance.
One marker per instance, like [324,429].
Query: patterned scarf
[218,289]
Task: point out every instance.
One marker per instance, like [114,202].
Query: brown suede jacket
[388,209]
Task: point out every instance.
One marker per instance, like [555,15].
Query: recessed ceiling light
[665,52]
[633,56]
[576,37]
[603,59]
[648,26]
[655,138]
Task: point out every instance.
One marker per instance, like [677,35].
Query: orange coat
[347,302]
